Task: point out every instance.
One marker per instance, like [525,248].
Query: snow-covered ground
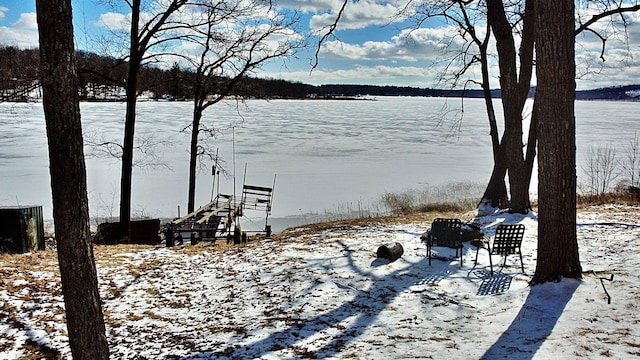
[325,294]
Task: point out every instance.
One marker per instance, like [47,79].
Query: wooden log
[391,252]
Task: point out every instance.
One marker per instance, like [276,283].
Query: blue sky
[370,48]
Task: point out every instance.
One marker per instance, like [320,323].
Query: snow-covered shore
[309,294]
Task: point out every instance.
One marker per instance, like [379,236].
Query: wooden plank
[224,207]
[196,212]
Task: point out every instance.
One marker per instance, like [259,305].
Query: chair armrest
[484,242]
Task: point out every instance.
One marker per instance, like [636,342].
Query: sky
[372,44]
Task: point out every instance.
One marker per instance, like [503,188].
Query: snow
[324,294]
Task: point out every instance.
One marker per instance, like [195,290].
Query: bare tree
[153,24]
[143,37]
[601,169]
[514,85]
[145,147]
[231,45]
[557,240]
[509,21]
[631,165]
[474,33]
[85,321]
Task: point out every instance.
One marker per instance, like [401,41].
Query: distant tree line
[18,73]
[100,78]
[19,78]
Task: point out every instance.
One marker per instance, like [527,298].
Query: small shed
[21,229]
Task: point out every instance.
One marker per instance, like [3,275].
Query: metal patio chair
[444,233]
[507,241]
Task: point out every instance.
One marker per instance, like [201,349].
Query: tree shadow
[360,313]
[352,318]
[36,344]
[535,321]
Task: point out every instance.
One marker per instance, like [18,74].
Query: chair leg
[489,251]
[429,254]
[490,262]
[521,263]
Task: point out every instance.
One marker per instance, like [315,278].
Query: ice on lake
[327,156]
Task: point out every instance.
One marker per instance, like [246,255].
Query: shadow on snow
[528,331]
[535,321]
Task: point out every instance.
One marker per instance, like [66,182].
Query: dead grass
[315,228]
[622,196]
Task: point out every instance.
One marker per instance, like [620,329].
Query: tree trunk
[514,91]
[555,95]
[85,322]
[127,158]
[135,58]
[518,182]
[495,194]
[193,154]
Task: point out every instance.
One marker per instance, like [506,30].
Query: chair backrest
[446,232]
[508,239]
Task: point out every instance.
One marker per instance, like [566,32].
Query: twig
[603,287]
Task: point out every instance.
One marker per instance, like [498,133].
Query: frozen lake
[328,156]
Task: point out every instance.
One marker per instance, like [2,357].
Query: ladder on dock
[220,217]
[209,222]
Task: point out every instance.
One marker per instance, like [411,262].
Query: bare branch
[616,9]
[595,18]
[330,32]
[146,148]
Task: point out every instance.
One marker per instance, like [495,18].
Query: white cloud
[407,45]
[23,33]
[358,15]
[313,6]
[361,74]
[114,21]
[26,21]
[3,11]
[368,50]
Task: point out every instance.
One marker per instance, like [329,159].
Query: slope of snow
[327,295]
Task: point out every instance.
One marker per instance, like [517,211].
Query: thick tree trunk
[514,91]
[555,95]
[518,181]
[495,194]
[519,184]
[85,322]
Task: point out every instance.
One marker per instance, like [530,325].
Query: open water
[327,156]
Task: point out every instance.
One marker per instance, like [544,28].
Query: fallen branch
[610,278]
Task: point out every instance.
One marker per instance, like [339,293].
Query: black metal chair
[507,241]
[444,233]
